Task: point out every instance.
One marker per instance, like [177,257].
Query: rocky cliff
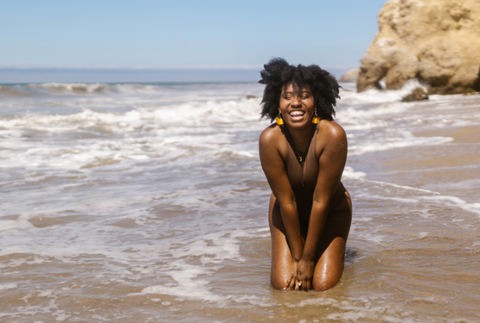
[435,41]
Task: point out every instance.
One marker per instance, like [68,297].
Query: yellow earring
[279,120]
[315,118]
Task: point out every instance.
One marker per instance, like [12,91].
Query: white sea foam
[158,190]
[460,185]
[186,286]
[422,235]
[373,237]
[404,140]
[8,286]
[19,224]
[350,173]
[147,125]
[392,198]
[376,96]
[403,187]
[214,248]
[74,88]
[131,121]
[455,202]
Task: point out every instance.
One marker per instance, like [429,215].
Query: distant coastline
[15,75]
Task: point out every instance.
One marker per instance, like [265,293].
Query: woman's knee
[279,282]
[325,283]
[328,276]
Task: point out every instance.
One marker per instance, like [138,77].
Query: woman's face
[297,107]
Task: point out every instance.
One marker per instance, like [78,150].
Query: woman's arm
[331,164]
[274,169]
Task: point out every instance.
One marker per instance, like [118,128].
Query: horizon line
[151,68]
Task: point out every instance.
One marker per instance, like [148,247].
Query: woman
[303,155]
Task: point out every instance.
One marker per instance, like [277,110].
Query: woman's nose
[296,102]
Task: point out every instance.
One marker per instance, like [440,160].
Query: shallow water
[147,203]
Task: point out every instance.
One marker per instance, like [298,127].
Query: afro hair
[278,73]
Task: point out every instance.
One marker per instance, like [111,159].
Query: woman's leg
[283,265]
[331,250]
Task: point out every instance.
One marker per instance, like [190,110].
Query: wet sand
[467,134]
[451,168]
[426,256]
[154,214]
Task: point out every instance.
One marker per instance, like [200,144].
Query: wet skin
[307,249]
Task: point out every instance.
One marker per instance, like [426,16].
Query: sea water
[147,203]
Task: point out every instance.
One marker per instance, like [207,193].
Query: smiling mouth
[297,115]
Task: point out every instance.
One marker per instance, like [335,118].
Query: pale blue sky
[184,33]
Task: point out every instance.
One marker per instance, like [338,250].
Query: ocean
[132,202]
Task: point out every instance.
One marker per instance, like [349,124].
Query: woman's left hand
[305,274]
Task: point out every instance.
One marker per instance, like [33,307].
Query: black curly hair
[278,73]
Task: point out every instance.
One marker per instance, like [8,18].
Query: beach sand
[426,256]
[147,203]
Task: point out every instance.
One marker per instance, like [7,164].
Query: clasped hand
[302,275]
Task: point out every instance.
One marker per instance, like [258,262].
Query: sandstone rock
[434,41]
[350,76]
[418,94]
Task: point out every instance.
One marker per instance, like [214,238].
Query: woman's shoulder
[272,142]
[271,134]
[330,130]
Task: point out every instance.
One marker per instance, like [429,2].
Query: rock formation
[434,41]
[418,94]
[350,76]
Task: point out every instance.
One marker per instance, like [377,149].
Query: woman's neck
[301,136]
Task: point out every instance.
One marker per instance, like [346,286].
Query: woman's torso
[302,171]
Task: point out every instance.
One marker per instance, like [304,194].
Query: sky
[178,33]
[202,34]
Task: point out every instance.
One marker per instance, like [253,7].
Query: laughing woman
[303,156]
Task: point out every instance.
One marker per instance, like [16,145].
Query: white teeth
[297,113]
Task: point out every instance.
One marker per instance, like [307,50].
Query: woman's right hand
[305,270]
[293,282]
